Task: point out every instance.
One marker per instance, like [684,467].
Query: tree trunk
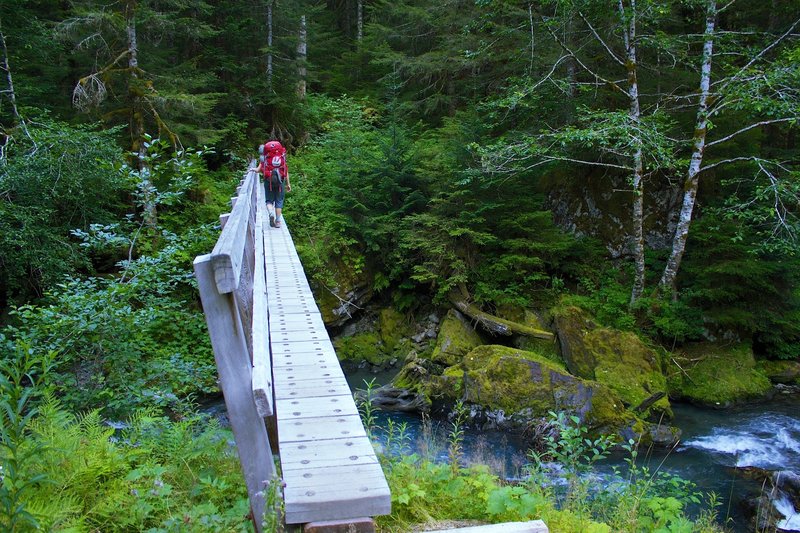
[149,213]
[692,178]
[634,113]
[494,324]
[6,66]
[269,43]
[302,52]
[360,21]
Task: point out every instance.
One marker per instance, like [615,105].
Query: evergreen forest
[623,174]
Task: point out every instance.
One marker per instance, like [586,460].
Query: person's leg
[279,206]
[271,213]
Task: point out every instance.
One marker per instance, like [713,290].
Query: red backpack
[273,163]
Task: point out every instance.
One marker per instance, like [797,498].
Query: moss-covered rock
[714,375]
[547,348]
[361,347]
[787,372]
[617,359]
[499,377]
[393,327]
[456,339]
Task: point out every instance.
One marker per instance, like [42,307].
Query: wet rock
[396,399]
[762,514]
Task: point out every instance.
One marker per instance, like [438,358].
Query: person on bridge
[272,167]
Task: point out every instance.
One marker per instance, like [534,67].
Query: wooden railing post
[233,365]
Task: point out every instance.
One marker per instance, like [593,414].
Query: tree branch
[726,161]
[601,41]
[748,128]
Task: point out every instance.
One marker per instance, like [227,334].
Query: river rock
[617,359]
[716,375]
[396,399]
[762,513]
[514,381]
[456,338]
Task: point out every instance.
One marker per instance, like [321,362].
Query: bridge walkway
[278,369]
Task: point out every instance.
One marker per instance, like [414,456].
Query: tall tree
[762,95]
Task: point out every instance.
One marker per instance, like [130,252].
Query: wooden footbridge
[284,389]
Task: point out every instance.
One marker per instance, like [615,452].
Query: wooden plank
[337,495]
[329,466]
[316,406]
[226,257]
[262,366]
[321,428]
[335,452]
[289,373]
[304,388]
[233,364]
[310,316]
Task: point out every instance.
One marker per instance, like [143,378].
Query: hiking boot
[277,223]
[272,221]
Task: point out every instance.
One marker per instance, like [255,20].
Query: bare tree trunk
[360,21]
[692,178]
[302,52]
[149,213]
[6,66]
[572,69]
[269,43]
[637,229]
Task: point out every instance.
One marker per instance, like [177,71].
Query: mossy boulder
[500,377]
[617,359]
[787,372]
[716,375]
[547,348]
[456,339]
[361,347]
[393,327]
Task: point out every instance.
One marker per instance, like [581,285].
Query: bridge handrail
[232,283]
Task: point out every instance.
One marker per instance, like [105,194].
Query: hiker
[272,167]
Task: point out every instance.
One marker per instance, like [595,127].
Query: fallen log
[496,325]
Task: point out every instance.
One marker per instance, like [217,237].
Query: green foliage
[643,500]
[44,198]
[21,383]
[154,475]
[122,343]
[741,288]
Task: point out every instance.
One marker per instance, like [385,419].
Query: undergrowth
[561,486]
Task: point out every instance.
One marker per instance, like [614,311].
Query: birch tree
[779,104]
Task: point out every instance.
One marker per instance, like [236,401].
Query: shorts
[276,195]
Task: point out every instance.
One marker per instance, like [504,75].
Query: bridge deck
[329,466]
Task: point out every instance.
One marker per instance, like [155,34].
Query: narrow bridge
[284,389]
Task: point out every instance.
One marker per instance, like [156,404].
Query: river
[715,443]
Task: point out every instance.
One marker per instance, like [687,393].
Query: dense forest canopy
[434,144]
[637,159]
